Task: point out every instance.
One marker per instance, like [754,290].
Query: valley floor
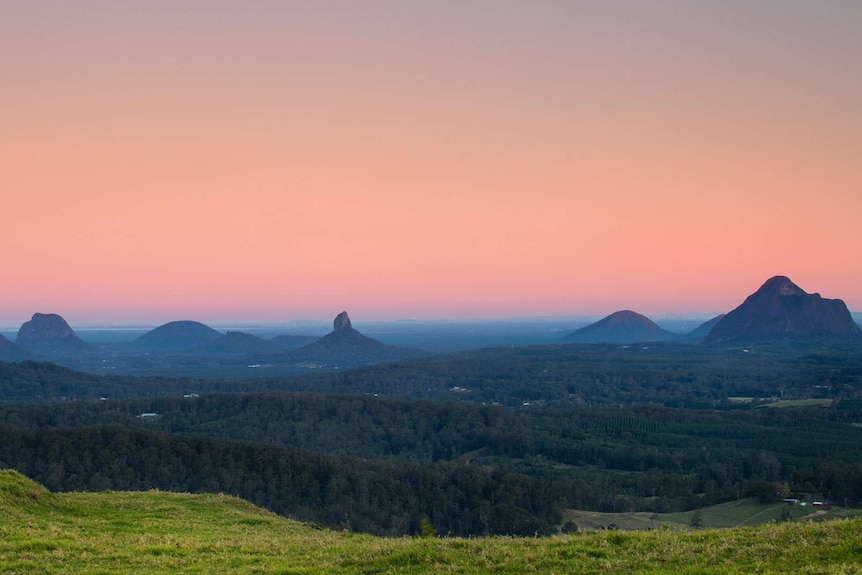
[157,532]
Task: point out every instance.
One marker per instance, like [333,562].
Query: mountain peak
[342,321]
[625,326]
[47,329]
[781,309]
[628,316]
[781,285]
[178,335]
[346,346]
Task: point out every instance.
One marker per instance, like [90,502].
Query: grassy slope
[745,512]
[155,532]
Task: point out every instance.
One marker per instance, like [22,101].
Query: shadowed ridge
[238,342]
[290,341]
[11,352]
[703,329]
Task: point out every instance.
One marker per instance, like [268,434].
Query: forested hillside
[382,465]
[664,427]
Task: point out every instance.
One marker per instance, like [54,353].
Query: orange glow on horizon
[281,163]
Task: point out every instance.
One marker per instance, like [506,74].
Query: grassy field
[745,512]
[824,403]
[766,402]
[156,532]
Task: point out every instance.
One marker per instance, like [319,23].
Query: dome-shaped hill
[621,327]
[178,336]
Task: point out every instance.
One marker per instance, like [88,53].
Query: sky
[276,160]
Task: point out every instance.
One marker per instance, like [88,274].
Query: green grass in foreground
[156,532]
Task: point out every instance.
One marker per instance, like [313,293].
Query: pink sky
[266,161]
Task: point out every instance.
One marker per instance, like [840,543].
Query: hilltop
[159,532]
[623,326]
[781,309]
[49,332]
[344,344]
[183,335]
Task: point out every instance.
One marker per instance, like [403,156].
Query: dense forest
[573,375]
[384,466]
[499,440]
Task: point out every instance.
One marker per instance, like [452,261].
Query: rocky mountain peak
[781,309]
[781,285]
[342,321]
[46,329]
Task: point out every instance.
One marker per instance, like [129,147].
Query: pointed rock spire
[342,321]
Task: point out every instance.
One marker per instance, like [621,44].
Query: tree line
[384,465]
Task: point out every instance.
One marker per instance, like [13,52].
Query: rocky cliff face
[342,321]
[48,330]
[781,309]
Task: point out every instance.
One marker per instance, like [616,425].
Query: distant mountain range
[777,310]
[192,348]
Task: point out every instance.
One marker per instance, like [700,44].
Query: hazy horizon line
[132,325]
